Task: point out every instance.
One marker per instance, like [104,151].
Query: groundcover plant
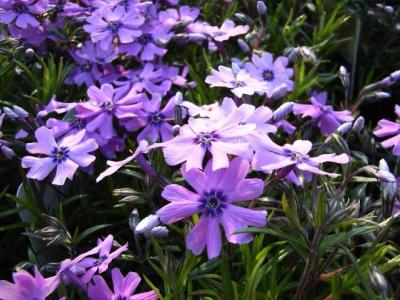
[199,149]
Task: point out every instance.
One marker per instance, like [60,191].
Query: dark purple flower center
[101,259]
[296,156]
[327,108]
[19,8]
[205,139]
[78,124]
[119,297]
[59,154]
[213,202]
[156,118]
[236,83]
[145,38]
[108,106]
[86,67]
[114,26]
[268,75]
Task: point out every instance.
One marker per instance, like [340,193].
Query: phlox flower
[173,16]
[213,197]
[239,81]
[388,128]
[291,159]
[273,73]
[123,287]
[227,30]
[106,103]
[22,11]
[26,286]
[66,156]
[323,115]
[106,26]
[200,136]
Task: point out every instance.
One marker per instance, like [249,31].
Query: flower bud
[196,37]
[243,18]
[282,111]
[344,128]
[147,224]
[382,95]
[235,68]
[133,219]
[279,91]
[178,98]
[391,79]
[29,52]
[159,231]
[385,176]
[261,8]
[243,46]
[192,84]
[383,165]
[8,152]
[10,113]
[359,124]
[22,113]
[378,282]
[175,130]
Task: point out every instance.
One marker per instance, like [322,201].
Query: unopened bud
[385,176]
[235,68]
[29,52]
[344,128]
[245,19]
[243,46]
[261,8]
[8,152]
[359,124]
[282,111]
[133,219]
[196,37]
[175,130]
[22,113]
[147,224]
[178,98]
[279,91]
[10,113]
[159,231]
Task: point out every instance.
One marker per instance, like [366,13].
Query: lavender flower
[214,193]
[291,159]
[104,104]
[200,136]
[226,31]
[107,26]
[22,11]
[272,73]
[123,288]
[240,83]
[26,286]
[66,156]
[323,115]
[388,128]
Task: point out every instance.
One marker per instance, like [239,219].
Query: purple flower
[104,104]
[92,265]
[214,193]
[327,119]
[89,59]
[116,165]
[274,74]
[185,14]
[291,159]
[226,31]
[106,25]
[388,128]
[123,287]
[26,286]
[240,83]
[22,11]
[146,46]
[57,107]
[200,136]
[32,35]
[66,156]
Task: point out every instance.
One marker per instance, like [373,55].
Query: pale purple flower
[227,30]
[174,16]
[26,286]
[200,136]
[66,156]
[388,128]
[57,107]
[116,165]
[273,73]
[82,9]
[123,287]
[240,83]
[100,264]
[106,25]
[106,103]
[213,196]
[323,115]
[22,11]
[291,159]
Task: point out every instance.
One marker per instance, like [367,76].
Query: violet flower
[388,128]
[240,83]
[327,119]
[273,73]
[26,286]
[213,197]
[291,159]
[22,11]
[93,265]
[106,25]
[66,156]
[183,14]
[106,103]
[123,287]
[200,136]
[226,31]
